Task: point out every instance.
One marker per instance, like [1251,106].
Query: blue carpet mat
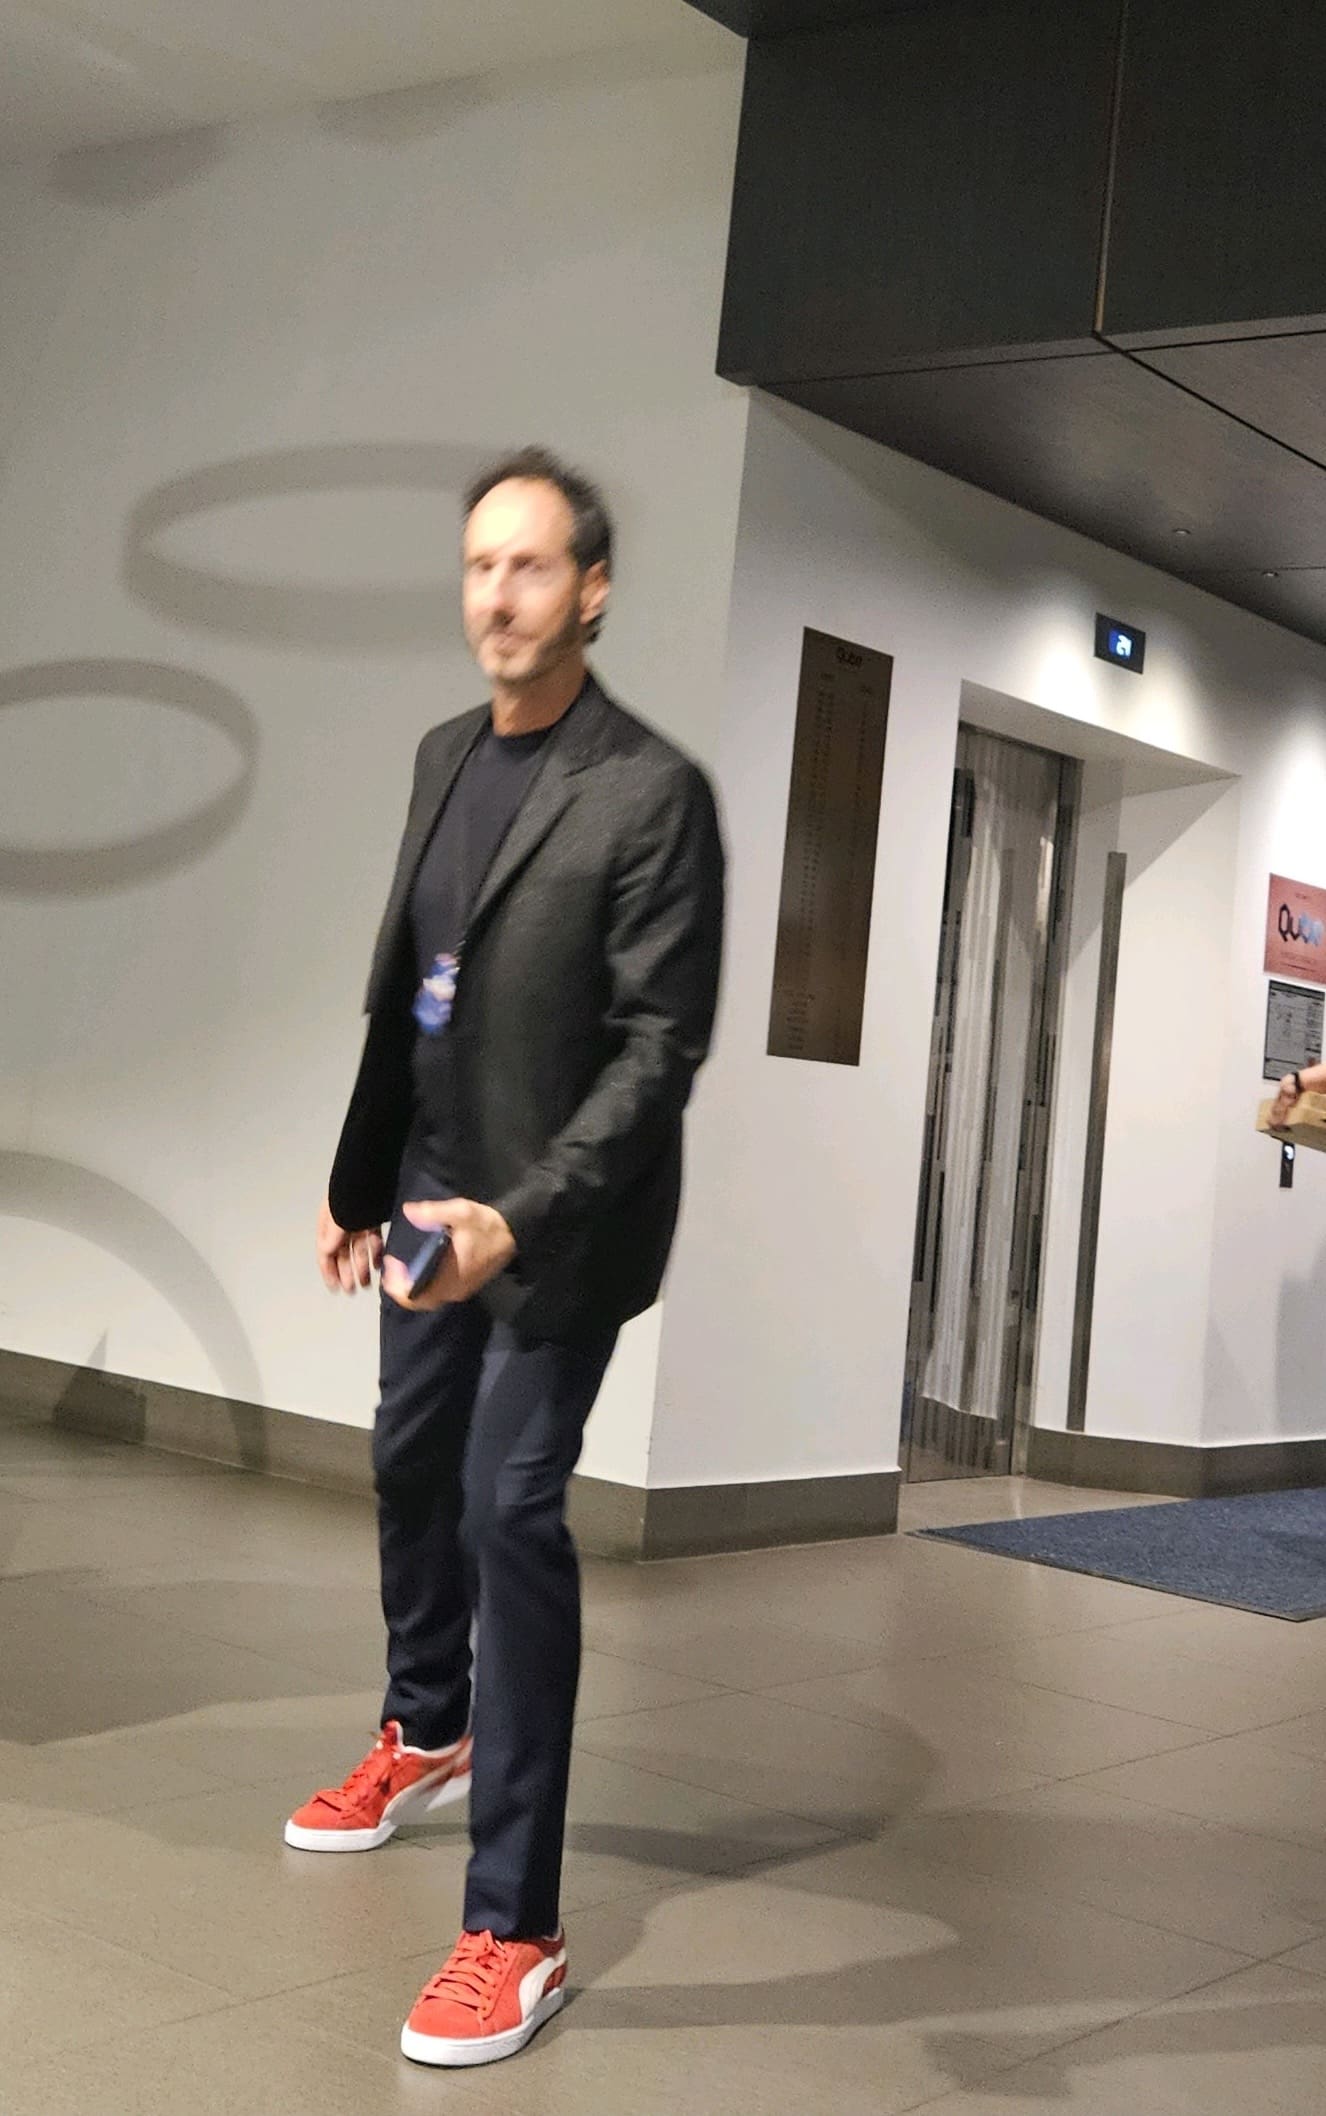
[1266,1553]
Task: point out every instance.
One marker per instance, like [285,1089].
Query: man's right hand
[347,1260]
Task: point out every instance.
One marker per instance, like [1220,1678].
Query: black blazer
[584,1005]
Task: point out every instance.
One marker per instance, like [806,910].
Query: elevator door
[971,1337]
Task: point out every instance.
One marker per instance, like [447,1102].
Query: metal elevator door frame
[946,1437]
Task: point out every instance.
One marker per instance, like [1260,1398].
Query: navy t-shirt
[480,809]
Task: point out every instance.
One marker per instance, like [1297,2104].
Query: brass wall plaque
[819,979]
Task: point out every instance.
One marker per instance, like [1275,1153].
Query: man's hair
[591,533]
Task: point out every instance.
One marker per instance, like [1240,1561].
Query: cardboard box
[1306,1126]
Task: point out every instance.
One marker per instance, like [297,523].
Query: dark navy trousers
[476,1436]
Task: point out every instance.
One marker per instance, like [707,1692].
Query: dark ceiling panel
[776,18]
[920,201]
[1295,599]
[1277,384]
[733,14]
[1107,447]
[1217,214]
[912,186]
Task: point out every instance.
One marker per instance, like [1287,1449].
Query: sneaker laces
[372,1775]
[474,1973]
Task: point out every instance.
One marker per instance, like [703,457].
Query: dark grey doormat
[1266,1552]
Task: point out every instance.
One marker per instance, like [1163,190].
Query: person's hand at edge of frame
[1286,1099]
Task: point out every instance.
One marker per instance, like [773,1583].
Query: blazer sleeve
[664,950]
[362,1188]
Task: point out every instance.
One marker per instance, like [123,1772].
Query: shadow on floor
[912,1985]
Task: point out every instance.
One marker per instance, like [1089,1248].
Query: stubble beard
[570,640]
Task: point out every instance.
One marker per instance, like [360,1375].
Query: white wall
[785,1323]
[242,377]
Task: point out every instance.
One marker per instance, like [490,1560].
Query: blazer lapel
[575,743]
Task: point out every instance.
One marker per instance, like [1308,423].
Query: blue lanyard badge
[437,995]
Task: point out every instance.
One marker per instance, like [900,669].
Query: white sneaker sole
[406,1807]
[483,2050]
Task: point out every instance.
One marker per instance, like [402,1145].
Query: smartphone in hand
[425,1259]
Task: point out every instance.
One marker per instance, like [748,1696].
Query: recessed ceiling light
[1183,532]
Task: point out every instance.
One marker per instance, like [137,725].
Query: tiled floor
[863,1828]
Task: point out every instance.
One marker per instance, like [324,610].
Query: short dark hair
[591,533]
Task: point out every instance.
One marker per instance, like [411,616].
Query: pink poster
[1296,931]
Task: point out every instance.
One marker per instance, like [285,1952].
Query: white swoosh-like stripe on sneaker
[535,1981]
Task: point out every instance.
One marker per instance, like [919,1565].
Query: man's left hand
[482,1245]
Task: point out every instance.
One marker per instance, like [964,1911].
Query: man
[541,995]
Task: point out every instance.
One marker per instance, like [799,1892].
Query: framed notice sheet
[1293,1029]
[829,851]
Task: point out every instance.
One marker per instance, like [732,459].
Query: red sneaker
[487,2001]
[393,1784]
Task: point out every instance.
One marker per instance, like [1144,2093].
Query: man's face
[526,603]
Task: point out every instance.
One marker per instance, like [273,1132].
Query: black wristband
[1298,1082]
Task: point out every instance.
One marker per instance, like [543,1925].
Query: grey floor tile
[1310,1957]
[75,1667]
[746,1651]
[1236,1638]
[61,1989]
[865,1970]
[1019,1599]
[611,2055]
[46,1782]
[223,1516]
[1304,1736]
[42,1449]
[850,1778]
[228,2065]
[1030,1730]
[610,1686]
[333,1626]
[113,1485]
[36,1538]
[205,1885]
[1241,1781]
[905,1599]
[1253,2041]
[1129,1668]
[240,1741]
[630,1829]
[1250,1894]
[954,1502]
[259,1518]
[250,1740]
[600,2060]
[744,1578]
